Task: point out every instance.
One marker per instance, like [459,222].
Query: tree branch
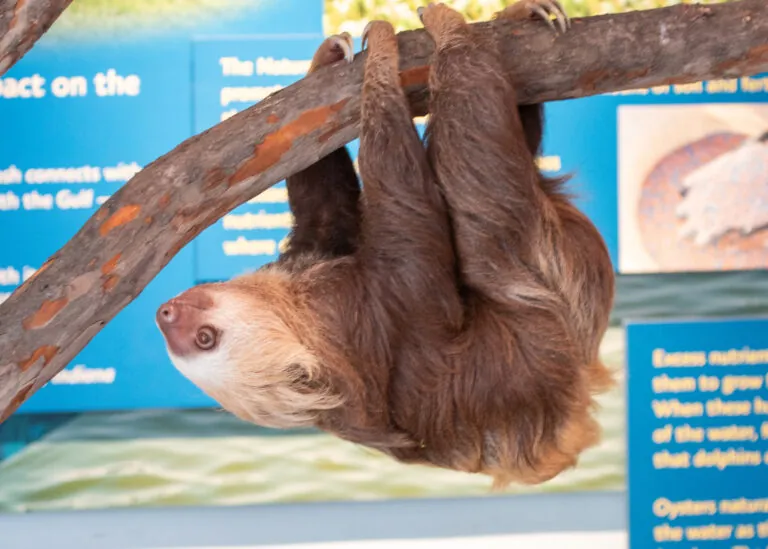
[22,23]
[53,315]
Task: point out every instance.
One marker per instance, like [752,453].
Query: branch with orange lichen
[22,23]
[126,243]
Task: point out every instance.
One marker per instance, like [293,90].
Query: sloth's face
[232,340]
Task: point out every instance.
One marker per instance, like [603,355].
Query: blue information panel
[82,133]
[698,434]
[91,104]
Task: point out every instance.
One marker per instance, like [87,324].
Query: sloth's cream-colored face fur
[237,341]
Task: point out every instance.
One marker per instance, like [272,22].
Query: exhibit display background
[176,61]
[698,433]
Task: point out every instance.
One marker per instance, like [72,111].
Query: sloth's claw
[333,49]
[542,9]
[344,42]
[420,11]
[366,30]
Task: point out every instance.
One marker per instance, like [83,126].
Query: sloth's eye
[205,339]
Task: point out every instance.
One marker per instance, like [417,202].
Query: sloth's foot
[441,22]
[380,40]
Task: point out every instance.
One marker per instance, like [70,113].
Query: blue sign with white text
[94,101]
[698,434]
[229,76]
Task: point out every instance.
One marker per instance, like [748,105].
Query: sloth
[449,311]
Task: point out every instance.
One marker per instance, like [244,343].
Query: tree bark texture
[22,23]
[130,238]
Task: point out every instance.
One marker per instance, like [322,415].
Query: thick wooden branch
[22,23]
[52,316]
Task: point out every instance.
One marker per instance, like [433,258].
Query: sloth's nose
[167,314]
